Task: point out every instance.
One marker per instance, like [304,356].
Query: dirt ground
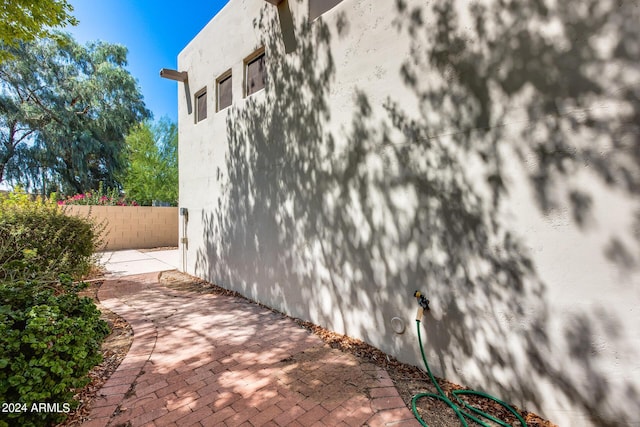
[408,379]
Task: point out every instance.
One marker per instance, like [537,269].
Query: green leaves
[65,109]
[40,241]
[152,169]
[26,20]
[49,339]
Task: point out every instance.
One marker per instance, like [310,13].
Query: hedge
[49,336]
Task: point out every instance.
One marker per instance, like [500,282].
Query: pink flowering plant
[98,198]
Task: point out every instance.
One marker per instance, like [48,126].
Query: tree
[152,170]
[65,109]
[27,20]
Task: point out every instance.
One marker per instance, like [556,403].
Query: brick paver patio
[212,360]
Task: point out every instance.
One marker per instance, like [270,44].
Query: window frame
[196,97]
[250,60]
[222,78]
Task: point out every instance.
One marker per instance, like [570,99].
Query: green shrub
[49,336]
[38,239]
[49,339]
[99,197]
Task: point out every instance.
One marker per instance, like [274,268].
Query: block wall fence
[133,227]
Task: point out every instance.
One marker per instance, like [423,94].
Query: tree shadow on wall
[559,86]
[360,215]
[276,176]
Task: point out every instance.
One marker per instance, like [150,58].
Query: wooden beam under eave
[274,2]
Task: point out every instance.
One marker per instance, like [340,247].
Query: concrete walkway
[131,262]
[212,360]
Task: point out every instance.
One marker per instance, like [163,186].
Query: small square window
[255,73]
[201,104]
[224,91]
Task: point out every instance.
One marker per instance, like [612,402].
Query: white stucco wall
[486,156]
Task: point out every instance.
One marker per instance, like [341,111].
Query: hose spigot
[423,302]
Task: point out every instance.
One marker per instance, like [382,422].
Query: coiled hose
[463,410]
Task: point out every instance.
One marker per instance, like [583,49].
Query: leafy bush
[49,336]
[49,339]
[39,240]
[99,197]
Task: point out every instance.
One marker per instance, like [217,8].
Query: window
[318,7]
[224,91]
[255,72]
[201,104]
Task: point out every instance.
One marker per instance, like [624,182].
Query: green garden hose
[463,410]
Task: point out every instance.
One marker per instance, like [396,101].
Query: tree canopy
[65,109]
[27,20]
[152,169]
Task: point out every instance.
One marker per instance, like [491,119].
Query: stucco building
[335,156]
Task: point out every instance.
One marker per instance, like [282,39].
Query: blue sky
[154,31]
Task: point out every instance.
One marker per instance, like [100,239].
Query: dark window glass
[255,74]
[224,93]
[201,105]
[318,7]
